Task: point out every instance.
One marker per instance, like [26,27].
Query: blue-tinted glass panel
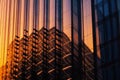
[99,9]
[98,1]
[113,6]
[108,29]
[101,33]
[115,29]
[106,9]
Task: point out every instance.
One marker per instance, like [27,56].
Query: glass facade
[107,28]
[46,40]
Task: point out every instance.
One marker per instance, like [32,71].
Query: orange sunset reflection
[14,19]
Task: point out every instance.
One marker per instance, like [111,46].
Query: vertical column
[25,57]
[45,54]
[41,14]
[18,17]
[16,58]
[45,40]
[35,55]
[58,14]
[58,38]
[36,13]
[26,14]
[46,14]
[58,55]
[76,23]
[94,38]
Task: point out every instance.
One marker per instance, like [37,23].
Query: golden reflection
[67,18]
[52,13]
[12,22]
[10,25]
[87,37]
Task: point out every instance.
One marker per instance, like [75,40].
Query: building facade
[48,40]
[47,55]
[106,30]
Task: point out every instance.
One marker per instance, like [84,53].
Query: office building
[46,54]
[106,20]
[48,40]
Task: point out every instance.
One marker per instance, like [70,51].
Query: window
[99,9]
[108,29]
[115,29]
[101,33]
[98,1]
[106,9]
[113,6]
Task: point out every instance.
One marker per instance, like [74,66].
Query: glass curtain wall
[107,37]
[45,39]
